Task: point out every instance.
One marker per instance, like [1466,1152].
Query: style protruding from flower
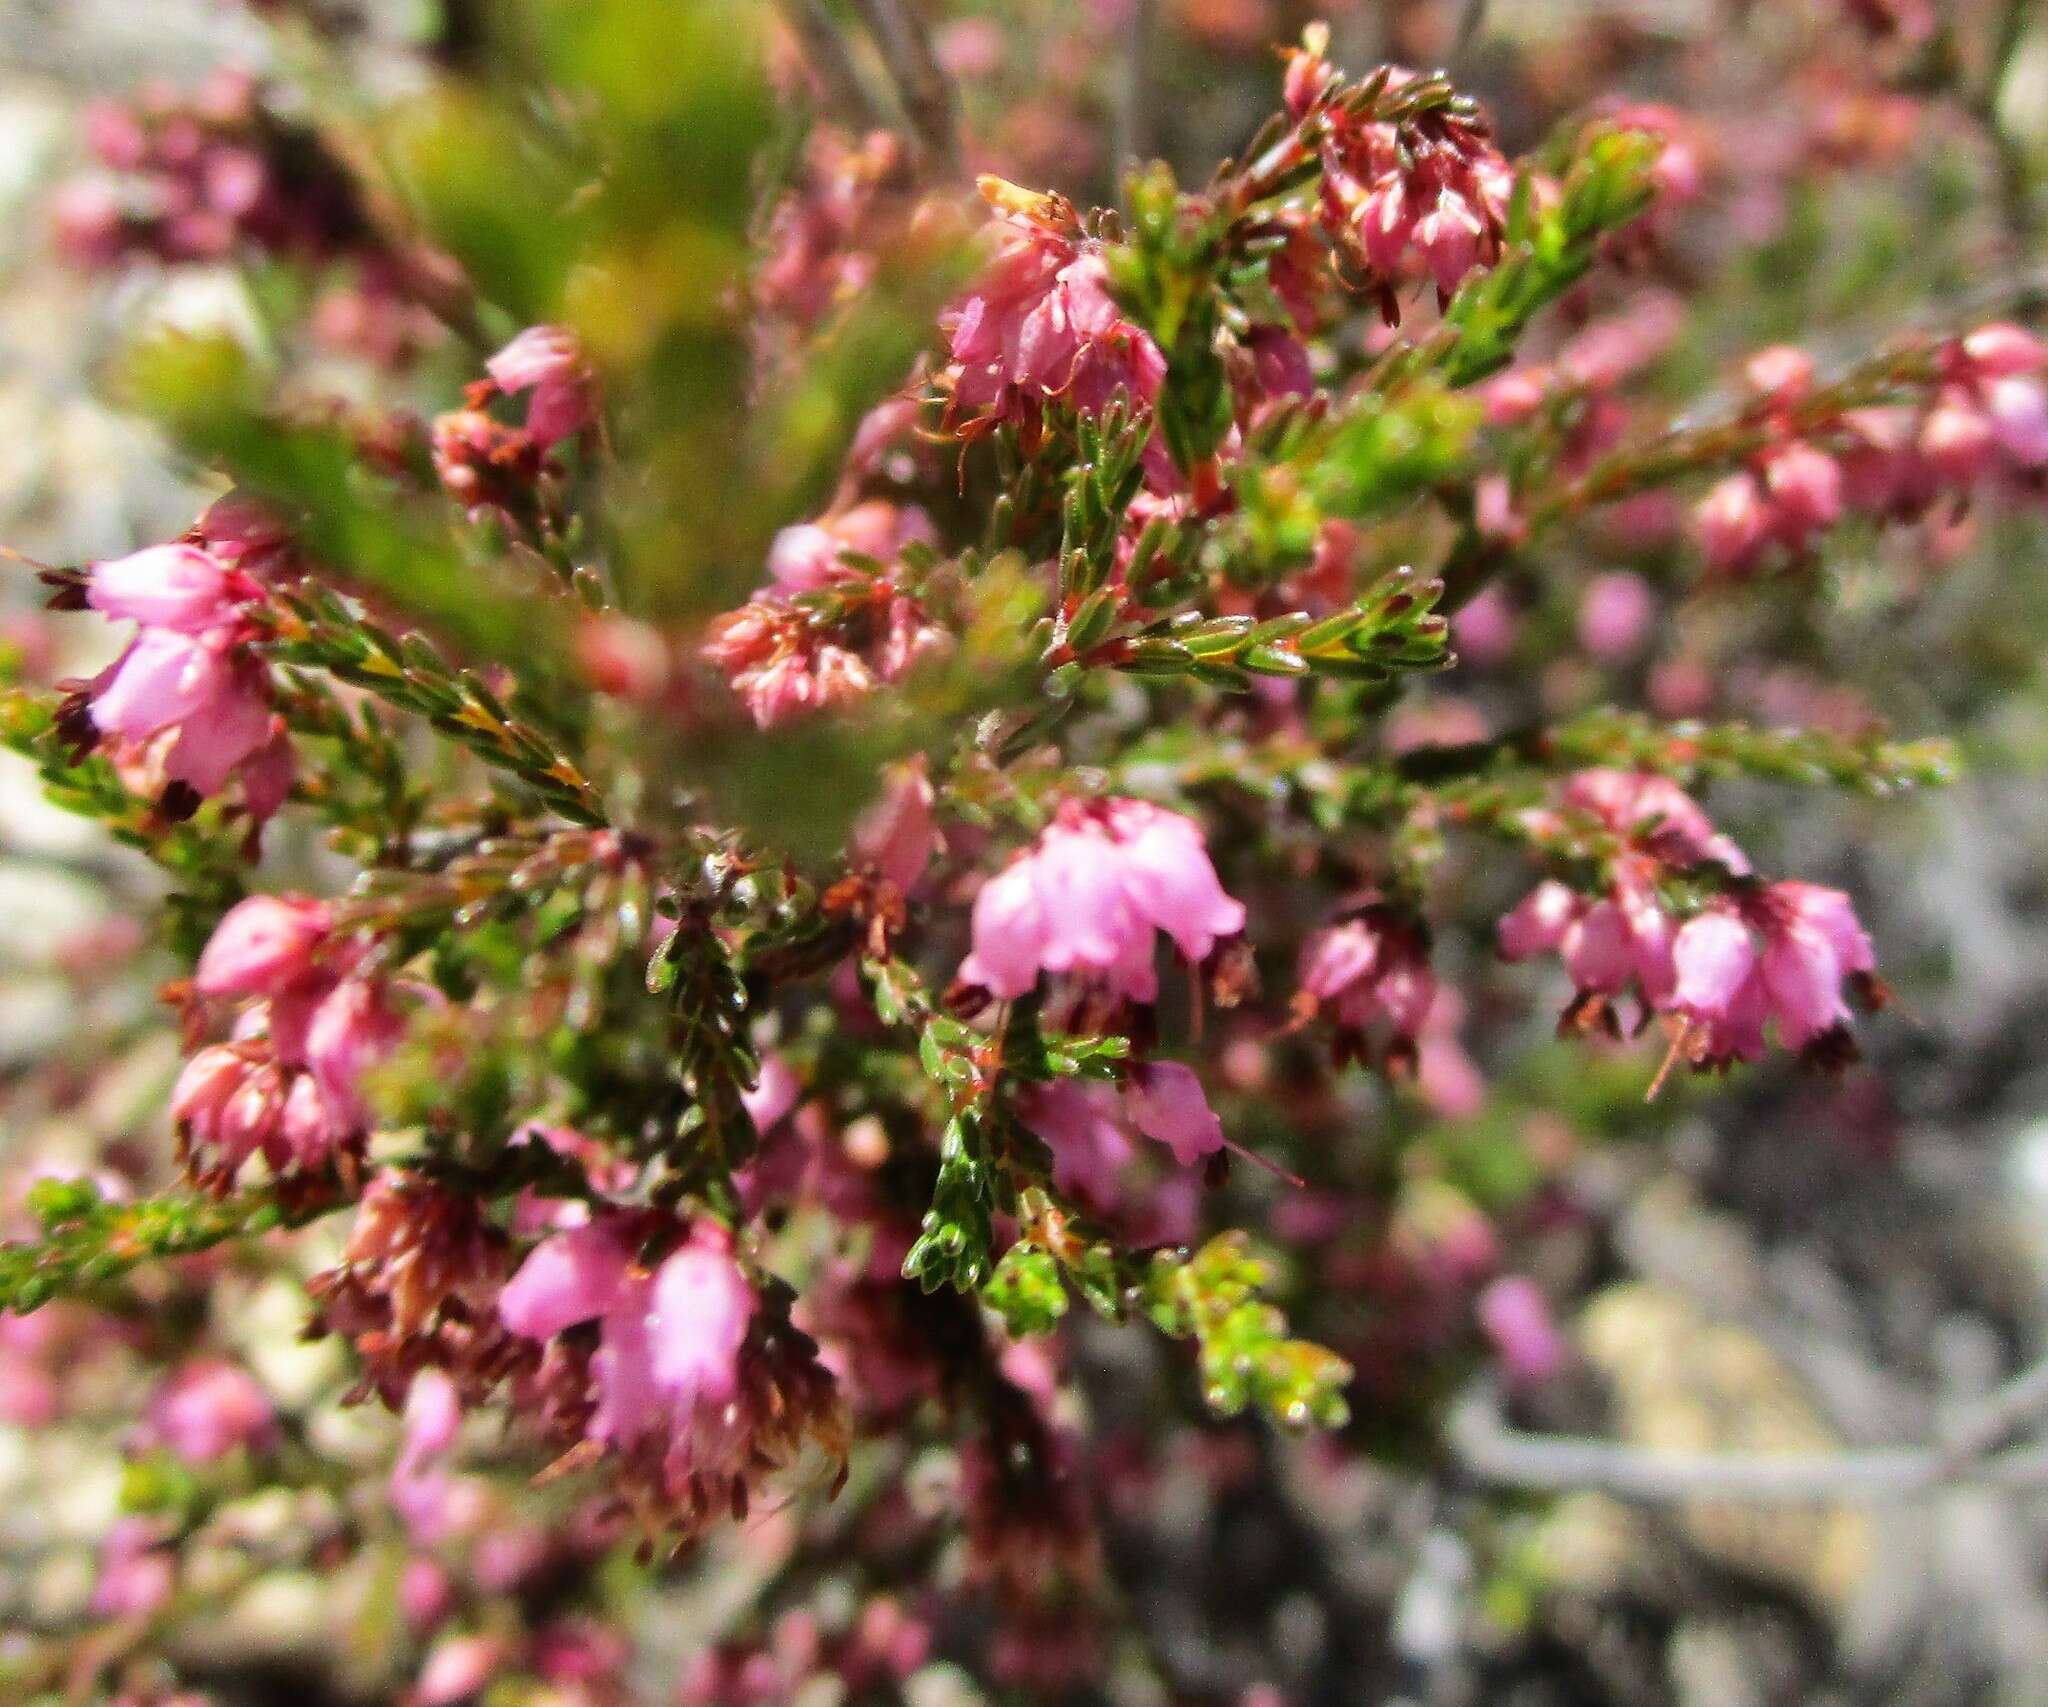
[1621,940]
[1755,955]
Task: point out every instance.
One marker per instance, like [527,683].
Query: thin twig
[825,55]
[1471,20]
[1488,1448]
[2018,207]
[1131,134]
[922,85]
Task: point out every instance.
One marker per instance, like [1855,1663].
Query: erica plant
[783,773]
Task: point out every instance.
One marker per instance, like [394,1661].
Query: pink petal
[1166,1103]
[568,1278]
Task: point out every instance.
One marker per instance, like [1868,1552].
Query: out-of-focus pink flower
[1447,1077]
[1089,1128]
[670,1340]
[1619,346]
[895,836]
[1485,629]
[425,1595]
[1733,524]
[1780,373]
[807,556]
[1516,1318]
[1615,616]
[2001,349]
[1088,894]
[351,1032]
[1957,440]
[1367,970]
[623,658]
[457,1668]
[1080,1124]
[1279,364]
[774,1094]
[1804,486]
[137,1572]
[208,1409]
[422,1489]
[2018,410]
[549,362]
[568,1278]
[702,1305]
[1493,510]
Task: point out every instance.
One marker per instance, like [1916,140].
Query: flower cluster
[823,240]
[1983,423]
[696,1101]
[1087,896]
[1371,968]
[1706,972]
[289,1084]
[187,705]
[1427,191]
[1040,325]
[218,175]
[493,468]
[841,619]
[1776,954]
[698,1386]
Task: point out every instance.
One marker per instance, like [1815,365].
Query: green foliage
[957,1235]
[1213,1298]
[1393,630]
[1166,277]
[203,855]
[1381,450]
[1548,251]
[956,1239]
[317,628]
[1866,763]
[89,1242]
[712,1133]
[1107,473]
[1026,1291]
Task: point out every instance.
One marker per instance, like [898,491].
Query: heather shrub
[870,827]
